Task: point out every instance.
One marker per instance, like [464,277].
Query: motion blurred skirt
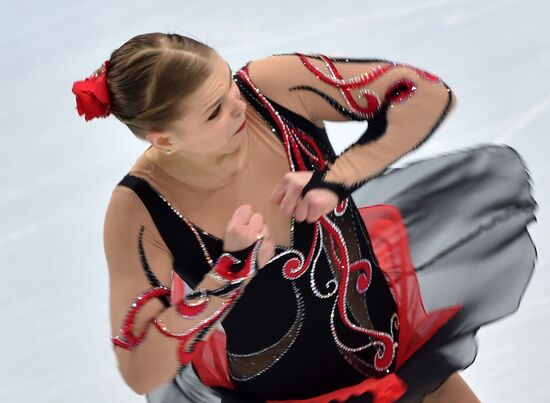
[450,233]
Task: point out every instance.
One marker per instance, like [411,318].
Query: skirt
[461,258]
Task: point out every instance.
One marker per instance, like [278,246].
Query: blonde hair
[150,77]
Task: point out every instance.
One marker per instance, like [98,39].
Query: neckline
[208,234]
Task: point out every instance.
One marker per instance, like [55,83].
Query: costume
[380,299]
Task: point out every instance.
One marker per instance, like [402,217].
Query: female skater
[296,294]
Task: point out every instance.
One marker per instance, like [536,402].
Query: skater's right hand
[243,230]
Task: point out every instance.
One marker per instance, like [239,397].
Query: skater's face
[214,113]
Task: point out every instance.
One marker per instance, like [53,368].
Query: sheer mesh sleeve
[402,104]
[139,262]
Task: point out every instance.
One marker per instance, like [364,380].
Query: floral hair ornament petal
[92,94]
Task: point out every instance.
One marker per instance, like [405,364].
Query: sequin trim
[203,247]
[332,282]
[125,338]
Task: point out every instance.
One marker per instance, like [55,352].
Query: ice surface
[54,342]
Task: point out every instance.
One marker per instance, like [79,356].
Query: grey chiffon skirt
[466,214]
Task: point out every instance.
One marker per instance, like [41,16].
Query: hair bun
[92,94]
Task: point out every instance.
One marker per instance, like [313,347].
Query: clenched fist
[244,228]
[315,203]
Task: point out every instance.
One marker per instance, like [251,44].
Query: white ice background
[57,171]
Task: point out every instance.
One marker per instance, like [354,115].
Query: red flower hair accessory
[92,94]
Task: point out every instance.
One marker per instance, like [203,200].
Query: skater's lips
[241,127]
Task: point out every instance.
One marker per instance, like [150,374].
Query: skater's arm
[132,243]
[402,104]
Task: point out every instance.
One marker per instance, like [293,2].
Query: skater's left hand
[316,203]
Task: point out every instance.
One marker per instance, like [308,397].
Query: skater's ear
[159,140]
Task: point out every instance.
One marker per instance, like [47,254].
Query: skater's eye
[216,112]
